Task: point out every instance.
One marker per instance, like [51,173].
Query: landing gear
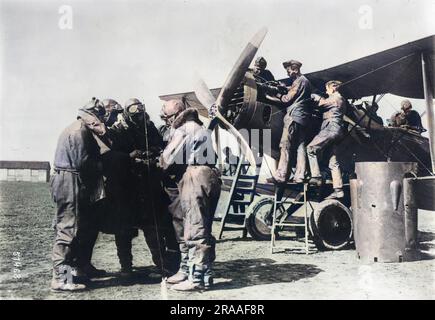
[259,220]
[330,224]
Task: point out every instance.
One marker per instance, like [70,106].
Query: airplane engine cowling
[249,110]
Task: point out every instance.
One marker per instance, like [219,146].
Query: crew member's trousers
[328,135]
[159,238]
[193,211]
[75,223]
[293,138]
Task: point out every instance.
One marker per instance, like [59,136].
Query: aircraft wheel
[259,220]
[331,225]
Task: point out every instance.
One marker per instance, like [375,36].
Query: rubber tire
[316,218]
[252,211]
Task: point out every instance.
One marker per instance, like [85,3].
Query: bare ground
[244,269]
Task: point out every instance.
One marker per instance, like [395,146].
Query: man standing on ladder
[297,100]
[333,109]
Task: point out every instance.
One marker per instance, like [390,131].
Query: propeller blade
[244,146]
[206,98]
[232,82]
[239,69]
[204,94]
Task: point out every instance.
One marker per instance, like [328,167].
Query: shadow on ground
[250,272]
[232,274]
[141,275]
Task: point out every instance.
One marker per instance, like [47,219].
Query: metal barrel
[384,217]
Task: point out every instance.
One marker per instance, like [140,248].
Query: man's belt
[58,170]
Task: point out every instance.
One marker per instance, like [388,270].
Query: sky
[51,65]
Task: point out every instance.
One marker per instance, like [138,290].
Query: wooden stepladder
[241,195]
[279,202]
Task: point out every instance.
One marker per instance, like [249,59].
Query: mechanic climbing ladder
[278,222]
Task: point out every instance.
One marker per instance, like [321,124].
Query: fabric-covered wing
[191,100]
[397,71]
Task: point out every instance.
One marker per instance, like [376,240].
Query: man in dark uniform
[408,118]
[260,71]
[372,112]
[146,195]
[113,108]
[297,100]
[76,186]
[333,108]
[190,158]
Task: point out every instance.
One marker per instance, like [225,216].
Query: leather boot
[63,280]
[93,272]
[179,277]
[337,194]
[195,281]
[188,285]
[208,277]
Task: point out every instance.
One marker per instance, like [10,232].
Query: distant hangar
[33,171]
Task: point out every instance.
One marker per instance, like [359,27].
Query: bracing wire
[153,208]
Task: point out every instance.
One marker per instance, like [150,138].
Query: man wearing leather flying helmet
[76,186]
[112,109]
[190,160]
[138,193]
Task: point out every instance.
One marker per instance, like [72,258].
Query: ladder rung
[289,202]
[241,201]
[283,224]
[236,214]
[244,191]
[245,188]
[233,228]
[244,176]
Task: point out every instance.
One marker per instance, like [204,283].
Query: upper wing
[397,71]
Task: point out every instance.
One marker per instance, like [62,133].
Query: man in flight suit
[76,186]
[112,108]
[190,157]
[144,189]
[333,109]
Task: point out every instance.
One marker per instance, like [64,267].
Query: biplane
[406,71]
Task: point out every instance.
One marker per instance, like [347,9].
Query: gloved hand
[147,162]
[282,89]
[316,97]
[269,89]
[136,154]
